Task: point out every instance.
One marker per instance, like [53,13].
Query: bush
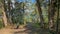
[1,24]
[37,25]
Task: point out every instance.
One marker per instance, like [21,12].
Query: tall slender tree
[4,12]
[57,22]
[9,10]
[51,13]
[40,13]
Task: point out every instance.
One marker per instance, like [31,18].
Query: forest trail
[24,30]
[28,29]
[12,31]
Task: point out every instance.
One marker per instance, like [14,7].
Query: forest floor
[12,31]
[24,30]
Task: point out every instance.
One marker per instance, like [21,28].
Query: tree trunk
[4,14]
[9,9]
[40,13]
[51,13]
[57,22]
[4,18]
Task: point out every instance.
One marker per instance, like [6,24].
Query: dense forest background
[43,15]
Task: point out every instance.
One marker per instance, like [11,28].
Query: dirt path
[11,31]
[6,31]
[26,30]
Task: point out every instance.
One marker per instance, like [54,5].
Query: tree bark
[51,13]
[40,13]
[4,14]
[57,22]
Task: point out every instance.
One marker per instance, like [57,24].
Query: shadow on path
[29,29]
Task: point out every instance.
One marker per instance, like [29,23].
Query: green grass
[36,25]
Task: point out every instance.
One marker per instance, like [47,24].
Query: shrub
[1,24]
